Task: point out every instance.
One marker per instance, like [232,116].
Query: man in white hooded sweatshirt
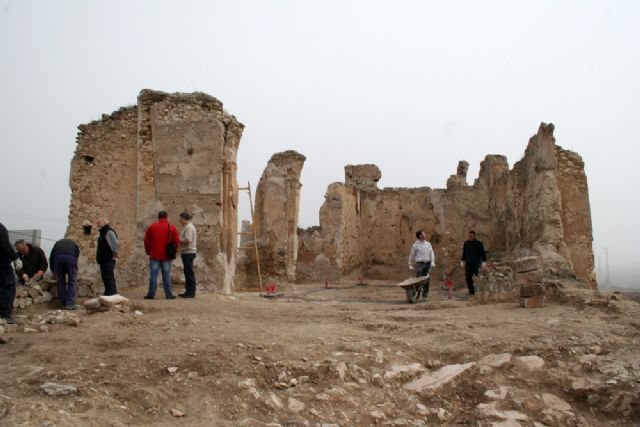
[424,257]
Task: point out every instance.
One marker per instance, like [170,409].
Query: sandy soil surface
[341,356]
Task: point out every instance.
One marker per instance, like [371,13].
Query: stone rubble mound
[40,322]
[43,291]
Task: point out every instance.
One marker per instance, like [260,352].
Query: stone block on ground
[532,290]
[54,389]
[115,303]
[533,302]
[495,360]
[439,378]
[92,303]
[553,402]
[523,265]
[403,371]
[531,363]
[490,410]
[112,300]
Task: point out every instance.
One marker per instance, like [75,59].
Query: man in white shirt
[424,257]
[188,242]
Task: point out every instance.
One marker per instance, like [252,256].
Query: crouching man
[34,261]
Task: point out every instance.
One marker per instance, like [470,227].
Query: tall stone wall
[103,182]
[176,152]
[277,204]
[540,207]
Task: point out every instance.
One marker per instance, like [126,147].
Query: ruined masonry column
[276,216]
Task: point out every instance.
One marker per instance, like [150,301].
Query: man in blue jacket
[7,275]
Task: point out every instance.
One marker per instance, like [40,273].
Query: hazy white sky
[412,86]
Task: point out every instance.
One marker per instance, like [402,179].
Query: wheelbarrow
[413,287]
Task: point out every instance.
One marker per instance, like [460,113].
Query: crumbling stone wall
[540,207]
[171,152]
[276,211]
[576,225]
[103,182]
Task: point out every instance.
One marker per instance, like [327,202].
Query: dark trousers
[471,269]
[422,269]
[7,294]
[189,275]
[66,269]
[108,277]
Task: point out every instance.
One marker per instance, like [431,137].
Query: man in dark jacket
[64,264]
[473,256]
[7,276]
[156,238]
[34,261]
[106,254]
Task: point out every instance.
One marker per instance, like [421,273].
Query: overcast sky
[411,86]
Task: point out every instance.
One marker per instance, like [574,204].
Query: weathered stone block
[523,265]
[530,363]
[534,276]
[365,176]
[495,360]
[538,301]
[532,290]
[439,378]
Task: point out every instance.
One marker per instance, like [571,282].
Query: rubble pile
[33,293]
[440,393]
[43,291]
[496,283]
[530,278]
[40,322]
[114,303]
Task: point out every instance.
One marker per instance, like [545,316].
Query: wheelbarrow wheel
[413,293]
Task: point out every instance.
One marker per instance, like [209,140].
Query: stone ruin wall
[103,182]
[171,152]
[277,205]
[540,207]
[177,152]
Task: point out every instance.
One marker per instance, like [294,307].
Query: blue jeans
[189,275]
[165,267]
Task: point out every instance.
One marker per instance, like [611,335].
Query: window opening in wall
[88,159]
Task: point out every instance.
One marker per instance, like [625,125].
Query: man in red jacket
[156,238]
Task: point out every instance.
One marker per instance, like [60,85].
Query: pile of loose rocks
[32,293]
[43,291]
[495,283]
[39,322]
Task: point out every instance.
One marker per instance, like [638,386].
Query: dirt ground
[322,357]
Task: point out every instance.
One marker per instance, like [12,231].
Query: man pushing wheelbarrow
[422,255]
